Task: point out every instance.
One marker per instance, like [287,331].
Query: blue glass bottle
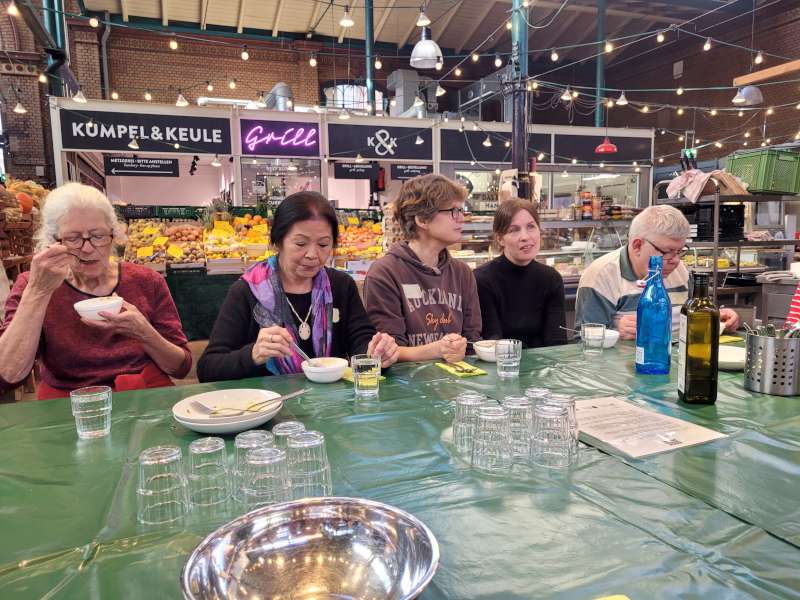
[654,324]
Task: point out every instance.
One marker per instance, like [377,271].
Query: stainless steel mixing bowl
[314,549]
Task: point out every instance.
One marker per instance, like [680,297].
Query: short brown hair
[424,197]
[505,213]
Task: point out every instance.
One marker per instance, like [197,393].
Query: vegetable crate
[767,170]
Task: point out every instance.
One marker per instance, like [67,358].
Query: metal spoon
[261,316]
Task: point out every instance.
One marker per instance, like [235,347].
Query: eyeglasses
[668,254]
[456,212]
[76,242]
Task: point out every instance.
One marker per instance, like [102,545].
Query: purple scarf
[265,283]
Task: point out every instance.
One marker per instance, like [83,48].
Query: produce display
[185,243]
[360,241]
[147,243]
[20,202]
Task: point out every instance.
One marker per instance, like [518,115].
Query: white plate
[732,358]
[238,398]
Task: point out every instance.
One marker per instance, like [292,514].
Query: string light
[439,66]
[602,165]
[747,134]
[661,159]
[680,111]
[759,58]
[422,19]
[457,72]
[173,44]
[312,61]
[540,157]
[609,103]
[42,78]
[290,104]
[176,145]
[378,63]
[534,85]
[14,12]
[346,20]
[475,57]
[498,62]
[114,96]
[554,55]
[660,37]
[474,126]
[707,45]
[472,163]
[717,144]
[497,171]
[209,86]
[741,113]
[393,102]
[609,47]
[679,91]
[507,144]
[148,96]
[645,108]
[232,84]
[575,93]
[245,54]
[713,112]
[509,25]
[94,23]
[770,111]
[797,107]
[681,138]
[574,161]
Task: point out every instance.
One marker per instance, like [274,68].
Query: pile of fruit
[360,242]
[21,201]
[243,225]
[185,243]
[221,243]
[147,243]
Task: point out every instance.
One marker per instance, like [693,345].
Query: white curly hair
[71,196]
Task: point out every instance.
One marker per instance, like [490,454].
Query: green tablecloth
[721,520]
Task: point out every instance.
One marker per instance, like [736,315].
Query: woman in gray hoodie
[417,292]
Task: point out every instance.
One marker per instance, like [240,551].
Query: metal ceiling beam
[240,20]
[277,21]
[164,14]
[203,13]
[593,10]
[383,19]
[314,15]
[475,26]
[123,8]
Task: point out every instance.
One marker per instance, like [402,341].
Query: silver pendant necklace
[304,330]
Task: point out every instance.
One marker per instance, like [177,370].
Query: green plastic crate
[176,212]
[767,170]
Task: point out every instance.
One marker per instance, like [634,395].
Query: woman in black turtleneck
[520,298]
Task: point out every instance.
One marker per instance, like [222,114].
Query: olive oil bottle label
[682,353]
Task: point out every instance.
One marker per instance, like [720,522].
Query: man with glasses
[609,289]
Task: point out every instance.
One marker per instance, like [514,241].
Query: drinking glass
[161,495]
[283,430]
[491,446]
[309,470]
[520,415]
[91,407]
[208,472]
[592,337]
[572,418]
[266,479]
[467,405]
[508,354]
[244,442]
[366,375]
[551,442]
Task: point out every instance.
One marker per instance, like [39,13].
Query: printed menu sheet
[636,431]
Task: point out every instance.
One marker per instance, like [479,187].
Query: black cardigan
[229,351]
[522,303]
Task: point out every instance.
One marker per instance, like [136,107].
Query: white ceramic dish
[485,350]
[330,369]
[237,399]
[90,309]
[732,358]
[611,338]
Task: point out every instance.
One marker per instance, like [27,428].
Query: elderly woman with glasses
[418,293]
[610,287]
[140,347]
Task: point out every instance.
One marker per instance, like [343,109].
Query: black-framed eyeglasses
[455,212]
[669,253]
[76,242]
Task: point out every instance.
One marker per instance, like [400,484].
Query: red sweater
[73,354]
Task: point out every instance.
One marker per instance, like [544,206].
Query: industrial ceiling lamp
[622,100]
[19,109]
[359,158]
[422,19]
[419,141]
[426,53]
[346,20]
[440,91]
[418,101]
[606,147]
[566,96]
[79,97]
[487,142]
[749,95]
[215,162]
[133,144]
[181,101]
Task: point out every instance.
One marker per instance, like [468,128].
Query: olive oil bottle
[698,352]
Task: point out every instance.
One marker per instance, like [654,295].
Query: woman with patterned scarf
[292,297]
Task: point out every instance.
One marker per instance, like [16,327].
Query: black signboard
[581,147]
[128,166]
[112,131]
[469,145]
[343,170]
[403,172]
[379,142]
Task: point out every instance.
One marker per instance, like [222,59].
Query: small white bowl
[485,350]
[90,309]
[331,369]
[611,338]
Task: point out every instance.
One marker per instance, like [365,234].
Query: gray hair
[72,196]
[660,220]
